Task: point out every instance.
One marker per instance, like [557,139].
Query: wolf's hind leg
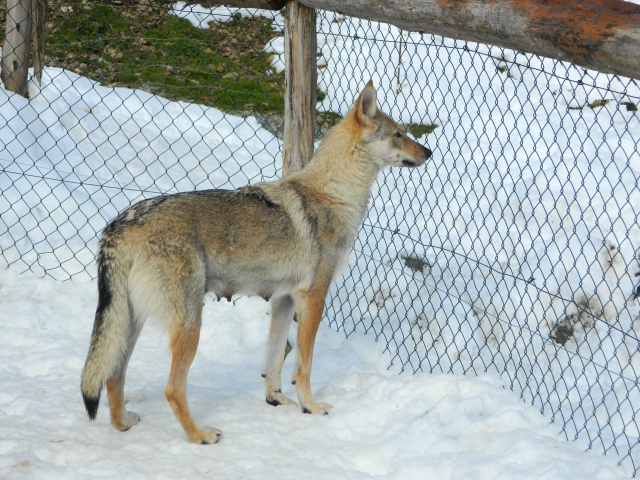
[282,309]
[184,343]
[120,417]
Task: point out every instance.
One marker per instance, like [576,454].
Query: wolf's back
[111,326]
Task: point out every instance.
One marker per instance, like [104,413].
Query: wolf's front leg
[282,309]
[310,307]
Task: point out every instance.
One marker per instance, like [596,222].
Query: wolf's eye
[398,135]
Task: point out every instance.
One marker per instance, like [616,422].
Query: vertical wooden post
[15,52]
[300,85]
[39,9]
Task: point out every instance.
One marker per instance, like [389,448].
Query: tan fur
[282,240]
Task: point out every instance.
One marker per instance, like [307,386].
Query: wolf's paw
[128,420]
[207,436]
[317,408]
[277,398]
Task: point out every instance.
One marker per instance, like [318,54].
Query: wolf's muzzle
[415,163]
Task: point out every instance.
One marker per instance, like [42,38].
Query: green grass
[144,47]
[139,45]
[419,130]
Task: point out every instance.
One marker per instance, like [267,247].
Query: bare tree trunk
[15,52]
[300,85]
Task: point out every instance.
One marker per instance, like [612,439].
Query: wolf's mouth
[407,162]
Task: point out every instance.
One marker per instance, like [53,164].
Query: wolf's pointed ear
[366,107]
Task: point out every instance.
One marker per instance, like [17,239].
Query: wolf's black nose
[427,152]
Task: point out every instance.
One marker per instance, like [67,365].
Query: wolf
[282,240]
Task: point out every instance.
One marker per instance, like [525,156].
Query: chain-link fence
[516,250]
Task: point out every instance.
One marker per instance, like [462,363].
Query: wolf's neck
[341,168]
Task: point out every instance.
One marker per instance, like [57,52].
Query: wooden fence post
[39,20]
[15,52]
[300,85]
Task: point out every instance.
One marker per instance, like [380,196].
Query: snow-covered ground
[526,220]
[383,424]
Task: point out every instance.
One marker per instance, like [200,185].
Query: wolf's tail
[111,327]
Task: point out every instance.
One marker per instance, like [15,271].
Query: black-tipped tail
[91,404]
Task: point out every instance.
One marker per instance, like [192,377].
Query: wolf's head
[385,141]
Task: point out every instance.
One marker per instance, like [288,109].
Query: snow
[383,424]
[99,149]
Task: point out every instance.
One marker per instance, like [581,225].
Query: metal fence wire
[516,250]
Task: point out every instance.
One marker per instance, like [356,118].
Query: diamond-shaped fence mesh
[516,250]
